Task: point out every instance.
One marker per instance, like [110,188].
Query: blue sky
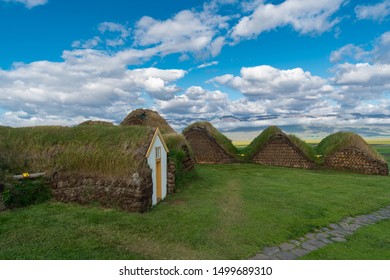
[311,67]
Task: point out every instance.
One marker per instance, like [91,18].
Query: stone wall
[171,177]
[188,161]
[355,160]
[279,151]
[2,205]
[206,149]
[132,194]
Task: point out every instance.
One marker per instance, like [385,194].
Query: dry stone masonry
[171,177]
[2,205]
[280,151]
[133,194]
[206,149]
[294,249]
[358,161]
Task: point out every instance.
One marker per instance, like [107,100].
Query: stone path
[294,249]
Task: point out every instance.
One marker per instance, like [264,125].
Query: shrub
[27,192]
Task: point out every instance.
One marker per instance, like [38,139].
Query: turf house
[349,151]
[146,117]
[209,145]
[273,147]
[178,146]
[83,164]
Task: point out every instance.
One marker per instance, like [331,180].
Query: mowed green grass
[368,243]
[222,212]
[384,150]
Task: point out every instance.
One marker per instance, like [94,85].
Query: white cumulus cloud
[268,82]
[196,101]
[367,76]
[305,16]
[376,12]
[86,84]
[185,32]
[29,3]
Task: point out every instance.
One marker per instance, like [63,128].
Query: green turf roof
[98,150]
[342,140]
[260,140]
[221,139]
[148,118]
[266,134]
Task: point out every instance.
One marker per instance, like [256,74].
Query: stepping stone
[361,221]
[295,242]
[308,246]
[334,226]
[286,246]
[317,243]
[356,225]
[336,233]
[372,217]
[300,252]
[310,236]
[325,240]
[286,256]
[322,235]
[348,228]
[260,257]
[270,251]
[343,232]
[339,239]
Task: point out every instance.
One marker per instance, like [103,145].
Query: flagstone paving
[295,249]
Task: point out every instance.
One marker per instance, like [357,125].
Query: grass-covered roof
[94,150]
[96,122]
[342,140]
[260,140]
[175,142]
[147,117]
[268,133]
[221,139]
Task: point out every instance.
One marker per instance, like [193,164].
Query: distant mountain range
[306,126]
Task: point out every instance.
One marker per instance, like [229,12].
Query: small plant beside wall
[25,192]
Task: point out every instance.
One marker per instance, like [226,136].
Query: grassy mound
[91,122]
[260,140]
[305,148]
[221,139]
[94,150]
[147,117]
[342,140]
[266,135]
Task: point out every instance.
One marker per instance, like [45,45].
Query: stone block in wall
[171,177]
[2,205]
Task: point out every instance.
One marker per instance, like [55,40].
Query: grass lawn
[223,212]
[368,243]
[384,150]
